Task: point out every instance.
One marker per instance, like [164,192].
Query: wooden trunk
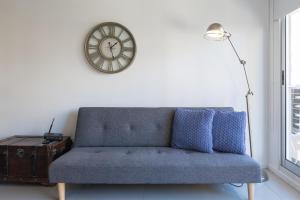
[26,159]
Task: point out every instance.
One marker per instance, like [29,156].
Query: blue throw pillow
[229,132]
[192,129]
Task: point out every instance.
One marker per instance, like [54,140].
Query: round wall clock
[110,47]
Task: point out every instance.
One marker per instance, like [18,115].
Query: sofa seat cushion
[151,165]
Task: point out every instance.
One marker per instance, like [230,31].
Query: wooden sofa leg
[61,190]
[250,191]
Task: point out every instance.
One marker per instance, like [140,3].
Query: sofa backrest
[125,127]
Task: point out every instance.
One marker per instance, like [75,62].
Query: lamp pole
[264,176]
[249,92]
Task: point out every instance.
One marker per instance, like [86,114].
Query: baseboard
[287,176]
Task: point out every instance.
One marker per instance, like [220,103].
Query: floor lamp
[216,32]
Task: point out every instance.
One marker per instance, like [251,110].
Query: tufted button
[104,127]
[128,152]
[158,126]
[131,127]
[159,151]
[97,151]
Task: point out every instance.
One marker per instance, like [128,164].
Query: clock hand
[112,54]
[110,48]
[114,44]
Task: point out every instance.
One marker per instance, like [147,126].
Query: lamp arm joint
[249,92]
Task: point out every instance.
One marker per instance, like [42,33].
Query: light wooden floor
[274,189]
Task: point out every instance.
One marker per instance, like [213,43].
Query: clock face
[110,47]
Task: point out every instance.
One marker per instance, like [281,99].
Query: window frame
[290,166]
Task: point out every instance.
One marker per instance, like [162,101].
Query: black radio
[53,136]
[50,137]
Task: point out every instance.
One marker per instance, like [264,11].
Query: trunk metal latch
[20,153]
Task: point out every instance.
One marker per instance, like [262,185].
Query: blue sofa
[132,146]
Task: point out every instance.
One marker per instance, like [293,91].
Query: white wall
[43,71]
[284,7]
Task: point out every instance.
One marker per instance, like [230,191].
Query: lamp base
[264,176]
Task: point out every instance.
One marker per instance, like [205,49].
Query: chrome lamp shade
[216,32]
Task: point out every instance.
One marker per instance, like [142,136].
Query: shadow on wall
[70,124]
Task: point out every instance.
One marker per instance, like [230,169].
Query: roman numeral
[93,55]
[126,40]
[119,64]
[95,38]
[100,62]
[125,57]
[102,32]
[92,46]
[128,49]
[120,33]
[110,66]
[111,30]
